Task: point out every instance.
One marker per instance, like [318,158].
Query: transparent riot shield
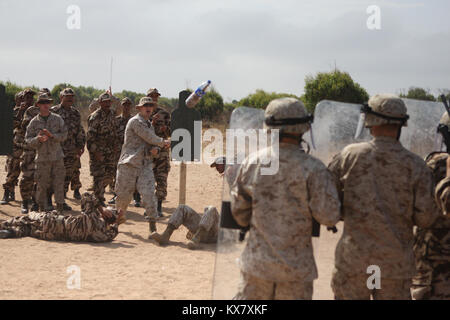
[231,241]
[335,125]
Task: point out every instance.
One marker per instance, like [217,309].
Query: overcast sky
[240,45]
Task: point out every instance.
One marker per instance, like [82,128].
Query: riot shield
[335,124]
[231,240]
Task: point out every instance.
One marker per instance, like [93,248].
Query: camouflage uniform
[27,183]
[121,125]
[116,107]
[432,245]
[102,137]
[75,139]
[75,182]
[88,226]
[385,190]
[279,209]
[161,162]
[12,166]
[49,161]
[134,170]
[209,221]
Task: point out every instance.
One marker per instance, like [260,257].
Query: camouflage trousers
[26,183]
[75,182]
[103,173]
[50,175]
[186,216]
[12,169]
[432,251]
[113,184]
[161,168]
[51,226]
[253,288]
[354,287]
[70,164]
[128,180]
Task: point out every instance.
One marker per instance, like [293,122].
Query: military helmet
[385,109]
[287,114]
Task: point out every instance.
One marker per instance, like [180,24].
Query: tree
[260,99]
[336,85]
[418,94]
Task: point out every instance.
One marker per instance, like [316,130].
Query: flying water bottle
[195,96]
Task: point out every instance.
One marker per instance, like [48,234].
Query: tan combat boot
[163,239]
[194,243]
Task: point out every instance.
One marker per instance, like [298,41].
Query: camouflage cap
[279,112]
[28,91]
[146,101]
[105,96]
[67,92]
[152,91]
[43,98]
[386,109]
[218,161]
[126,100]
[45,90]
[19,95]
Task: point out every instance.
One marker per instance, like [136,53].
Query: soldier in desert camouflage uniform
[13,161]
[73,146]
[278,261]
[94,224]
[116,106]
[432,245]
[75,182]
[134,170]
[202,228]
[103,145]
[45,133]
[385,190]
[27,184]
[122,121]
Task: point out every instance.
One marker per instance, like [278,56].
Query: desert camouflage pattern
[279,209]
[26,184]
[253,288]
[116,106]
[188,217]
[135,168]
[354,287]
[89,226]
[50,169]
[122,122]
[161,162]
[75,182]
[102,137]
[432,245]
[76,139]
[385,191]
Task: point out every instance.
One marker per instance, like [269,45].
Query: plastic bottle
[195,96]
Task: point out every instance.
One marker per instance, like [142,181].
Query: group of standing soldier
[43,161]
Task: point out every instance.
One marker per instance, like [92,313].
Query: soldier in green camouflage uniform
[73,146]
[122,121]
[103,145]
[94,224]
[432,245]
[26,184]
[161,162]
[75,182]
[12,166]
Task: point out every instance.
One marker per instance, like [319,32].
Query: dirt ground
[130,267]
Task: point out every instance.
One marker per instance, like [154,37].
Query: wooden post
[182,192]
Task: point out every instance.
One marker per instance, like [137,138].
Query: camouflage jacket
[72,119]
[28,115]
[116,106]
[121,125]
[50,150]
[161,124]
[385,190]
[432,245]
[139,137]
[102,132]
[88,226]
[279,209]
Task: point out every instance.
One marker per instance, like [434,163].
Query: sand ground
[130,267]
